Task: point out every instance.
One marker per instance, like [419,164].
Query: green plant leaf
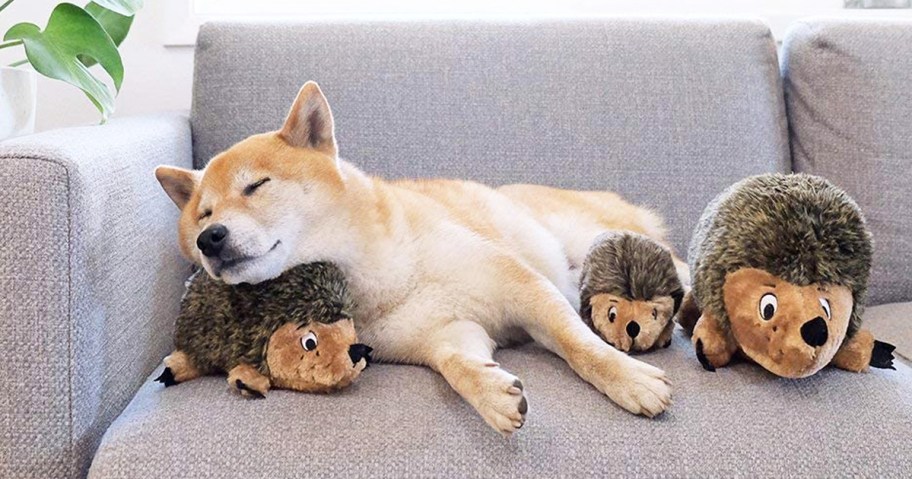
[70,32]
[124,7]
[115,24]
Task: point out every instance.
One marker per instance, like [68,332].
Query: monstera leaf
[115,24]
[72,32]
[127,8]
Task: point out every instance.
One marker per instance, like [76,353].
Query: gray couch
[667,113]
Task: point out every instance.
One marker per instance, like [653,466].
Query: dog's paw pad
[501,401]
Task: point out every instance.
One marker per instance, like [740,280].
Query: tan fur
[441,271]
[577,217]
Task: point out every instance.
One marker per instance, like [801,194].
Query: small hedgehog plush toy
[780,266]
[629,291]
[291,332]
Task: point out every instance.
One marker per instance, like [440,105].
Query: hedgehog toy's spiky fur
[630,266]
[221,326]
[798,227]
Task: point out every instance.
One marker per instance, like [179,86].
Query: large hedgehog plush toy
[291,332]
[780,266]
[629,291]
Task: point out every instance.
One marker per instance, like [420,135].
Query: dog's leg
[462,352]
[550,320]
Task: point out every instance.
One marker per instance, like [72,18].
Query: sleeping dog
[441,271]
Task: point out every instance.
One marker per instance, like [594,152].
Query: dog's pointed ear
[310,123]
[178,183]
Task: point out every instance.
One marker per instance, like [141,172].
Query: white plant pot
[18,101]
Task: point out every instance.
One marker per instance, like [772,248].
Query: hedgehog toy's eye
[826,307]
[612,314]
[309,341]
[655,313]
[768,305]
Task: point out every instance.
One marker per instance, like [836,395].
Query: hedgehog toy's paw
[713,346]
[664,339]
[688,313]
[862,351]
[247,381]
[178,368]
[882,355]
[167,378]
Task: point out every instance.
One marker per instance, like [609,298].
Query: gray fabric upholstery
[847,86]
[90,280]
[667,113]
[892,323]
[404,421]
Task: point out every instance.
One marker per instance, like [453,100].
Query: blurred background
[158,53]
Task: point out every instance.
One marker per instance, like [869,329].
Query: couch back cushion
[848,88]
[667,113]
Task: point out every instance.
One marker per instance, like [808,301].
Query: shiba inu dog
[441,272]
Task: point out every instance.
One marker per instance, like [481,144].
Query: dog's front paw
[641,389]
[247,381]
[500,399]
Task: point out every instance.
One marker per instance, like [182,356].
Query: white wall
[156,78]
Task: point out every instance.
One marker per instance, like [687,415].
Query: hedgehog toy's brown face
[315,357]
[792,331]
[633,325]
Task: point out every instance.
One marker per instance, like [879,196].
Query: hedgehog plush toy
[629,291]
[291,332]
[780,267]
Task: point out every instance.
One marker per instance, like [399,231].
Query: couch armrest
[90,281]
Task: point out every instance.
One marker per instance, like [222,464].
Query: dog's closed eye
[251,188]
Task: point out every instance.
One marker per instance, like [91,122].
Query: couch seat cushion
[406,421]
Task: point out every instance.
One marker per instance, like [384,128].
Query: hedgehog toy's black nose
[814,332]
[633,329]
[358,352]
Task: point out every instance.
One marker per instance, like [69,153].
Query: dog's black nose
[814,332]
[212,240]
[633,329]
